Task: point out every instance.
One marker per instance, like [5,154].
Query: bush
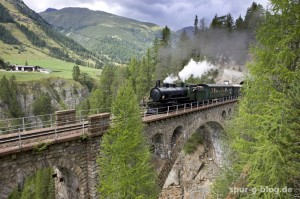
[192,143]
[42,105]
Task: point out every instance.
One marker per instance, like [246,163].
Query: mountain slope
[25,34]
[117,37]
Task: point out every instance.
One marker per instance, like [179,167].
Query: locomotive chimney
[166,85]
[157,83]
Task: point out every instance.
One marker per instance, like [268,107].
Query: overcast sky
[173,13]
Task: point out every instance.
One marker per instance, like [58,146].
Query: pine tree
[141,83]
[8,96]
[96,100]
[124,160]
[254,16]
[239,24]
[166,37]
[76,73]
[229,22]
[196,28]
[42,105]
[106,79]
[133,71]
[265,135]
[215,23]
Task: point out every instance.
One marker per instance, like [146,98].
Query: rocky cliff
[193,174]
[64,94]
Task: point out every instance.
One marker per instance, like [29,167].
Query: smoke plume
[197,69]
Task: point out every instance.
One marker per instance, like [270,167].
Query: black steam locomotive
[170,95]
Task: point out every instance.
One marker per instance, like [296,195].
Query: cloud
[174,13]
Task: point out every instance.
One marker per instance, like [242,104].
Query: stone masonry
[76,156]
[167,136]
[73,158]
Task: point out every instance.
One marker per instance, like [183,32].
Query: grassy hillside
[118,38]
[25,36]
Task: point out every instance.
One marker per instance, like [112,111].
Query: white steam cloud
[197,69]
[170,79]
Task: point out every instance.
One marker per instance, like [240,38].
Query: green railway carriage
[236,89]
[203,92]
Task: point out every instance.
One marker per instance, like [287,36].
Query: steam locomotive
[171,95]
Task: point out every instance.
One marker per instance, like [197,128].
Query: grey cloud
[174,13]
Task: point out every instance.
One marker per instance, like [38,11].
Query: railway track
[20,138]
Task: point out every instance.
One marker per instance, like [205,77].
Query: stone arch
[24,172]
[213,134]
[224,114]
[157,144]
[230,112]
[176,134]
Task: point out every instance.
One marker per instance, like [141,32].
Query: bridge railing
[43,121]
[86,128]
[22,124]
[176,109]
[14,125]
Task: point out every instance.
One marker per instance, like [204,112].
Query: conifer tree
[106,80]
[96,99]
[253,17]
[196,29]
[76,73]
[239,24]
[166,37]
[265,134]
[42,105]
[125,171]
[133,71]
[8,96]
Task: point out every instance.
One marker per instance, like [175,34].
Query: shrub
[192,143]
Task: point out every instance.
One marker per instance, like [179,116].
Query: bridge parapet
[65,117]
[63,147]
[96,125]
[99,123]
[65,143]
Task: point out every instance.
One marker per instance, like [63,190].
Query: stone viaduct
[168,134]
[74,158]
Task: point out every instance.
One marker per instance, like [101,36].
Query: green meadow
[59,68]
